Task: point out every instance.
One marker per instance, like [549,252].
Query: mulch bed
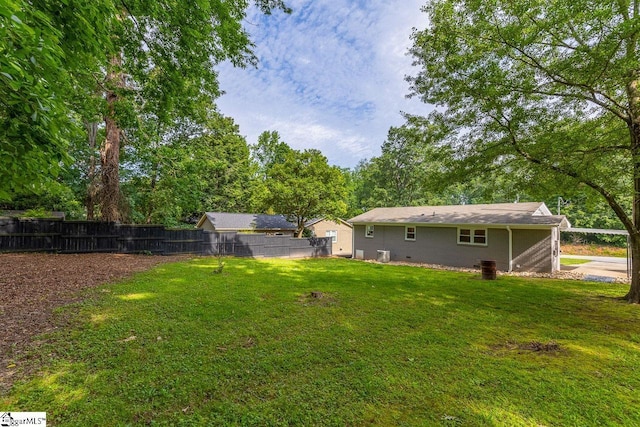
[33,285]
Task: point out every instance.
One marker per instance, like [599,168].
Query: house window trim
[472,236]
[406,233]
[366,231]
[334,237]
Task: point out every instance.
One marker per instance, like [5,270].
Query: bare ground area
[33,285]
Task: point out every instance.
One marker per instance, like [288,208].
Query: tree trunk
[151,206]
[300,229]
[633,296]
[92,187]
[110,151]
[633,95]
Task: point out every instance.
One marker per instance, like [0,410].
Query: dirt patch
[32,286]
[550,347]
[317,298]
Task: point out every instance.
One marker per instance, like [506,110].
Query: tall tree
[53,53]
[269,150]
[304,187]
[553,87]
[109,61]
[169,50]
[407,168]
[194,169]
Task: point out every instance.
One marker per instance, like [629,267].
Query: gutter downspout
[510,249]
[353,241]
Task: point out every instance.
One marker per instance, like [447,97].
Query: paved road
[599,266]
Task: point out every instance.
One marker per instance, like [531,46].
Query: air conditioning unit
[384,256]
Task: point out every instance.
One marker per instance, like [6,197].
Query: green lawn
[385,345]
[573,261]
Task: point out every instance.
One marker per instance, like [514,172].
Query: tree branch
[526,58]
[613,203]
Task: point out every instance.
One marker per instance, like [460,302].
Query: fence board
[88,237]
[56,235]
[183,241]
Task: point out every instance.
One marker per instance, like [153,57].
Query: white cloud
[331,76]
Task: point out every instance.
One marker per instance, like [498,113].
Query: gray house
[247,223]
[518,236]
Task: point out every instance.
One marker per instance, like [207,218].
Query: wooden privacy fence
[56,235]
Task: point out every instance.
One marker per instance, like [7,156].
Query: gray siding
[532,251]
[433,245]
[439,245]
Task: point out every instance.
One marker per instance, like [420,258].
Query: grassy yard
[573,261]
[384,345]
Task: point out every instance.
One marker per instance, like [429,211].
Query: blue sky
[330,77]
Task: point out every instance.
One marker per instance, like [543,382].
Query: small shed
[247,223]
[340,231]
[518,236]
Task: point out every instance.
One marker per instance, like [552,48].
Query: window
[479,237]
[333,234]
[410,233]
[368,231]
[472,236]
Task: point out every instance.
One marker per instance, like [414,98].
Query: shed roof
[525,214]
[242,221]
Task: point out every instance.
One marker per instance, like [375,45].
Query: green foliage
[33,118]
[304,187]
[196,169]
[385,345]
[405,172]
[416,168]
[584,213]
[269,151]
[54,196]
[532,87]
[549,89]
[59,59]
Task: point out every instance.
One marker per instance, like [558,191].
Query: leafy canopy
[548,88]
[304,187]
[535,85]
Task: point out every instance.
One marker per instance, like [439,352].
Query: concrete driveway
[598,266]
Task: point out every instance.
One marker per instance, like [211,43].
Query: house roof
[530,214]
[240,221]
[314,221]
